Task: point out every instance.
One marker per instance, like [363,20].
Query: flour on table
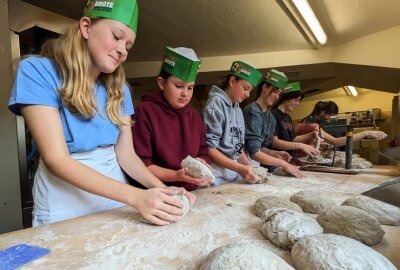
[267,202]
[243,256]
[284,227]
[313,201]
[385,213]
[351,222]
[335,252]
[196,168]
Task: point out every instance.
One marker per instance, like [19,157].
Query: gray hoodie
[224,123]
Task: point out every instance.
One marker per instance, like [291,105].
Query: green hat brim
[123,11]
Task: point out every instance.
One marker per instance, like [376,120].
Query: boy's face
[178,93]
[271,94]
[238,90]
[291,104]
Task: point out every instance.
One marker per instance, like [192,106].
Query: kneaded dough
[313,201]
[261,174]
[196,168]
[284,227]
[281,172]
[186,204]
[335,252]
[244,257]
[385,213]
[267,202]
[351,222]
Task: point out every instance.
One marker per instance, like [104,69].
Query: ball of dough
[335,252]
[351,222]
[385,213]
[284,227]
[267,202]
[313,201]
[244,257]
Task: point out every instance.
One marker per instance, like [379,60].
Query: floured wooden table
[116,239]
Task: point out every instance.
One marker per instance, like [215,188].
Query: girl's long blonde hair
[71,54]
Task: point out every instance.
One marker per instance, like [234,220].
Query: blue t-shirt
[37,82]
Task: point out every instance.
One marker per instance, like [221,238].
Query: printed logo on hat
[169,59]
[239,68]
[95,5]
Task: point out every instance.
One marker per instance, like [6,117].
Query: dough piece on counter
[281,172]
[261,174]
[385,213]
[196,168]
[244,257]
[357,163]
[267,202]
[335,252]
[313,201]
[351,222]
[284,227]
[186,204]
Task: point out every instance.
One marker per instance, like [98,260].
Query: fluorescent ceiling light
[312,21]
[351,90]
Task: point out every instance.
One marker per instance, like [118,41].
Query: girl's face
[238,90]
[178,93]
[270,94]
[108,43]
[291,104]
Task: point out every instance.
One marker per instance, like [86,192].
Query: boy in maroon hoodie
[167,128]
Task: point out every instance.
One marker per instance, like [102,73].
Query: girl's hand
[182,191]
[293,170]
[308,149]
[247,173]
[378,135]
[157,205]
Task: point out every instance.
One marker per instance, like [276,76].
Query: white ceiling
[231,27]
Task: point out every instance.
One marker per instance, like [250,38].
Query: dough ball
[281,172]
[244,257]
[313,201]
[196,168]
[335,252]
[385,213]
[284,227]
[351,222]
[267,202]
[261,174]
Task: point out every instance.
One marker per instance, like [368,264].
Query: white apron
[223,175]
[56,200]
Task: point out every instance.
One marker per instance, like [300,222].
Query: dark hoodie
[164,135]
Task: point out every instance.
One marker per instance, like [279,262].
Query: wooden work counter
[116,239]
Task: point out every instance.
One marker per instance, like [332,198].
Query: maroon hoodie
[163,135]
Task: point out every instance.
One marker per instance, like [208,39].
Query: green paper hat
[276,78]
[245,72]
[292,87]
[124,11]
[181,62]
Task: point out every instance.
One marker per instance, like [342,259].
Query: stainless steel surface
[388,192]
[392,153]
